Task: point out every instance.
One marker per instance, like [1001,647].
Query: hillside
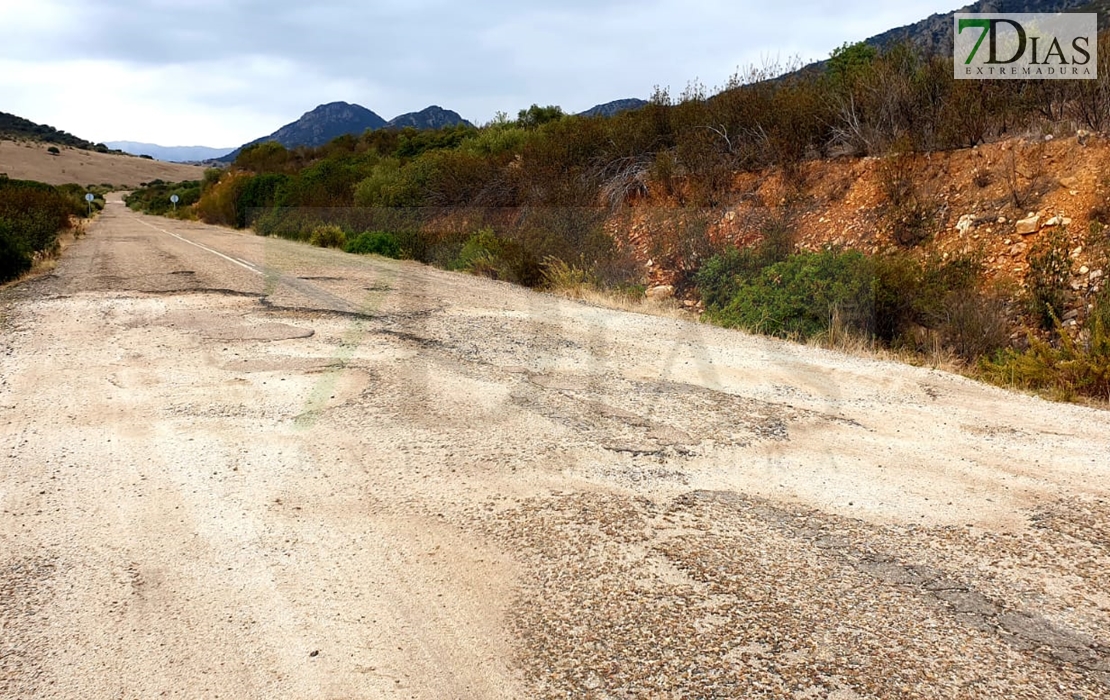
[934,34]
[613,108]
[979,195]
[434,117]
[318,126]
[170,154]
[32,161]
[20,129]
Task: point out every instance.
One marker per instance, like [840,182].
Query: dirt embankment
[974,199]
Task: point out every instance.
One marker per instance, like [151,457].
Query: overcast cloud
[223,72]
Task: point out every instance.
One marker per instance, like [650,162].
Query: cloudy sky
[223,72]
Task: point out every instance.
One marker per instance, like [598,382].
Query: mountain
[319,126]
[329,121]
[18,128]
[170,154]
[934,34]
[615,107]
[434,117]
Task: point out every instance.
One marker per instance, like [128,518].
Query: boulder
[1028,226]
[965,223]
[660,293]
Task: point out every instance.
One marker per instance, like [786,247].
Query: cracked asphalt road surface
[247,468]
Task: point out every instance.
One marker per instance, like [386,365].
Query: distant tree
[535,116]
[53,150]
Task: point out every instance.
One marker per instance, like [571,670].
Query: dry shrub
[910,213]
[328,236]
[975,325]
[1047,278]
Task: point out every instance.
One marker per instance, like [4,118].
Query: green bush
[293,224]
[76,196]
[885,297]
[257,194]
[375,243]
[154,198]
[1066,369]
[486,254]
[718,279]
[797,298]
[328,236]
[480,250]
[722,275]
[14,258]
[389,183]
[32,214]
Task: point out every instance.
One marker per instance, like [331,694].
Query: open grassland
[32,161]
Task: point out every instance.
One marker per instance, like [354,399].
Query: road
[247,468]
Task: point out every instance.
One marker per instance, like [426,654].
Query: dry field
[31,161]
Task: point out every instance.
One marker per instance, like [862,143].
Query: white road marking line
[241,263]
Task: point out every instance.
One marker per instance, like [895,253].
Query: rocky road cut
[241,467]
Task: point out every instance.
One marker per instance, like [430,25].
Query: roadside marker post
[175,199]
[89,198]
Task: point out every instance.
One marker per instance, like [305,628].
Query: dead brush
[910,212]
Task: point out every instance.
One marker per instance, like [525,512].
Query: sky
[223,72]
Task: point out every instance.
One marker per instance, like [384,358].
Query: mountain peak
[433,117]
[319,126]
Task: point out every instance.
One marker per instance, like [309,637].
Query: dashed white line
[241,263]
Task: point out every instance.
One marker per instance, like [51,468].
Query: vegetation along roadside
[872,200]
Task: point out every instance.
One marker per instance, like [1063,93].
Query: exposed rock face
[615,107]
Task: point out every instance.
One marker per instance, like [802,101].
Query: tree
[849,62]
[536,116]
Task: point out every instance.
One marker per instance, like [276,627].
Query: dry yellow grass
[31,161]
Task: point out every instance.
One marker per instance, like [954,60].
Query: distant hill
[28,160]
[329,121]
[170,154]
[433,117]
[615,107]
[319,126]
[18,128]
